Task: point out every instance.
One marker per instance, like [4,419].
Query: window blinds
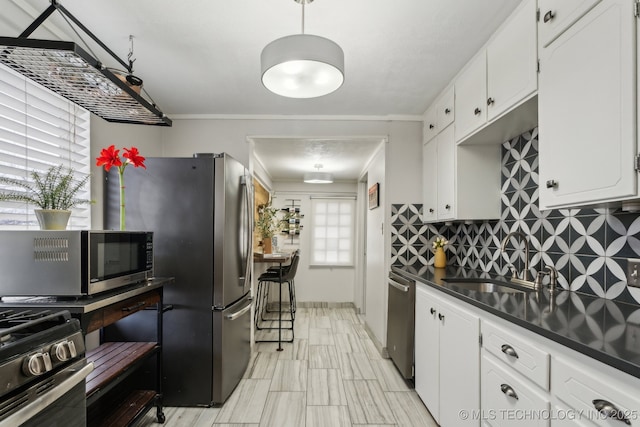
[39,129]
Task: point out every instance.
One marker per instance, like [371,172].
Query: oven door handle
[42,402]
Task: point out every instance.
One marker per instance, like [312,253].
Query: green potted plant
[54,192]
[267,225]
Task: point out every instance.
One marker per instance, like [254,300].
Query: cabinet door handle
[490,101]
[447,207]
[431,126]
[430,210]
[477,111]
[552,183]
[447,110]
[609,410]
[440,316]
[509,351]
[509,391]
[549,16]
[135,306]
[432,311]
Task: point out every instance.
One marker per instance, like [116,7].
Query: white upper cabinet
[460,182]
[558,15]
[446,174]
[429,181]
[587,109]
[512,67]
[471,97]
[445,109]
[430,125]
[501,77]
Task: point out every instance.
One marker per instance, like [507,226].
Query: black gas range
[42,369]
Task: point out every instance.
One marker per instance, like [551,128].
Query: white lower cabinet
[594,395]
[518,354]
[508,400]
[520,379]
[447,354]
[563,416]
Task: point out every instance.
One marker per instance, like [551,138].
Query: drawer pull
[447,110]
[134,307]
[549,16]
[609,410]
[431,126]
[508,390]
[509,351]
[477,111]
[432,311]
[440,316]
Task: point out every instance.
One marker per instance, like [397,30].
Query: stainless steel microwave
[72,263]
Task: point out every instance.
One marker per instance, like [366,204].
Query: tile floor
[331,375]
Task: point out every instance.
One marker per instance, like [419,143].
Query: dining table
[275,258]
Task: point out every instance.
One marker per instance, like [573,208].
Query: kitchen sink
[484,285]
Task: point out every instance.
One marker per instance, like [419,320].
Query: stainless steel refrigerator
[200,210]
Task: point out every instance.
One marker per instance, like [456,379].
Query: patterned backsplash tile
[588,247]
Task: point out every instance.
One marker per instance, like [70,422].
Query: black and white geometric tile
[588,247]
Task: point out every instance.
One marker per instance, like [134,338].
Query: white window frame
[333,235]
[40,129]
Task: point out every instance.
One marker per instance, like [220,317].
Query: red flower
[109,157]
[134,157]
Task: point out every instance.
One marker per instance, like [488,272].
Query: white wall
[314,284]
[398,170]
[377,264]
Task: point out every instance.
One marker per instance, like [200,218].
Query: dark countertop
[90,303]
[603,329]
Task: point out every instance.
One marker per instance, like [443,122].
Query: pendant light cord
[303,3]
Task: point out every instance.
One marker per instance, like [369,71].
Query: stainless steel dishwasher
[400,322]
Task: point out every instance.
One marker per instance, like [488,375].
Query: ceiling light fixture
[318,177]
[302,65]
[68,70]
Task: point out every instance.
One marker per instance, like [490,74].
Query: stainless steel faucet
[524,279]
[553,278]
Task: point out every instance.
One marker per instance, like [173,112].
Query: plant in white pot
[54,192]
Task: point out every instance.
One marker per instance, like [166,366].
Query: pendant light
[302,65]
[318,177]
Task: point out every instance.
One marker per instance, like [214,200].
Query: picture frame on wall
[374,196]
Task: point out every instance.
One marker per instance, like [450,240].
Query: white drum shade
[302,66]
[318,178]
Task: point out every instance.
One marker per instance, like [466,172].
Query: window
[39,129]
[332,231]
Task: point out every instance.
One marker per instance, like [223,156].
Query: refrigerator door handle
[239,313]
[247,228]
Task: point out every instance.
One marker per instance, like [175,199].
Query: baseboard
[317,304]
[382,350]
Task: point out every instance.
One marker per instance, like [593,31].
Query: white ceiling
[290,158]
[202,57]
